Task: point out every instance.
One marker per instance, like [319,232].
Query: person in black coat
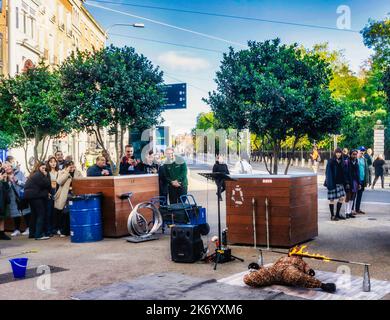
[36,191]
[379,171]
[129,164]
[220,167]
[100,168]
[336,183]
[148,166]
[4,202]
[351,173]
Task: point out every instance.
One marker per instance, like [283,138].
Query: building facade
[46,30]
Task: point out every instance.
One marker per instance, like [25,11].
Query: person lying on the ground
[288,271]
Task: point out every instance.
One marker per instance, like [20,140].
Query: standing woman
[52,170]
[18,207]
[335,182]
[4,202]
[379,172]
[65,178]
[351,168]
[36,191]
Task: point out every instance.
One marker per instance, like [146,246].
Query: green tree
[30,106]
[114,88]
[376,36]
[276,91]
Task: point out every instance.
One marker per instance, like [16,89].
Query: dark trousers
[369,176]
[382,180]
[63,221]
[38,219]
[175,193]
[52,215]
[18,221]
[359,196]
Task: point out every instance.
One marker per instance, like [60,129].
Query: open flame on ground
[299,251]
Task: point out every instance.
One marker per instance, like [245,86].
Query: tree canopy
[276,91]
[30,104]
[115,88]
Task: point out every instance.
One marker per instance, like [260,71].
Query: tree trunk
[25,147]
[37,138]
[296,139]
[117,150]
[122,149]
[47,148]
[276,157]
[101,143]
[42,157]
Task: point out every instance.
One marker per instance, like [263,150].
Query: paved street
[92,265]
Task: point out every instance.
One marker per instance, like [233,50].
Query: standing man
[363,177]
[368,156]
[176,175]
[99,169]
[149,166]
[60,159]
[128,164]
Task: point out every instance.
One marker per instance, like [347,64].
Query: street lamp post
[134,25]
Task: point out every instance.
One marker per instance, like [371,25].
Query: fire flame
[298,251]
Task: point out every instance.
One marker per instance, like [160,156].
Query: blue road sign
[175,96]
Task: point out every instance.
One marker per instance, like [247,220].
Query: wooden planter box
[114,210]
[292,209]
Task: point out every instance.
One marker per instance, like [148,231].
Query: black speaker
[186,243]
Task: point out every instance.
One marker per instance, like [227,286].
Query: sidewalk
[92,265]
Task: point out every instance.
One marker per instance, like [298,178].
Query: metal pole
[267,221]
[366,280]
[254,222]
[320,258]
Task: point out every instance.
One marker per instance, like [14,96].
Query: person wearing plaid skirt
[335,181]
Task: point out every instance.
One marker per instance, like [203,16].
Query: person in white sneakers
[64,181]
[18,207]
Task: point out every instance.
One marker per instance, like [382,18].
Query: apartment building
[48,30]
[3,38]
[32,30]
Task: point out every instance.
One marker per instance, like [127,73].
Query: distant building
[32,30]
[48,30]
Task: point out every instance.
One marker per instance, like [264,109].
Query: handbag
[21,203]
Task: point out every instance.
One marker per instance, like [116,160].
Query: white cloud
[181,61]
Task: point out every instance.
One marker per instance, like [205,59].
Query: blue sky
[197,67]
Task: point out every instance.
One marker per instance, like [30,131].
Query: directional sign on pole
[175,96]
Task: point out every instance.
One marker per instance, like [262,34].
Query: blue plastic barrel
[85,218]
[19,266]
